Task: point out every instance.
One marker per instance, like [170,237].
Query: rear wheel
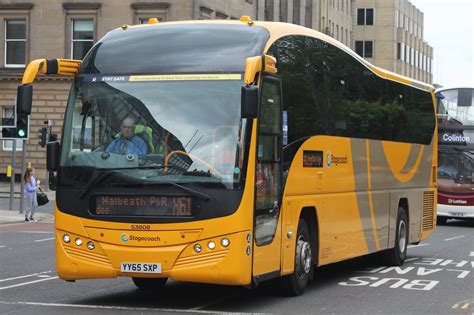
[396,256]
[149,284]
[295,283]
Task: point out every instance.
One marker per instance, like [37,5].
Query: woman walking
[30,184]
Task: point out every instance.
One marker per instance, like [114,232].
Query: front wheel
[295,283]
[396,256]
[441,220]
[150,284]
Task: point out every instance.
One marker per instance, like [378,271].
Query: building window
[82,38]
[365,49]
[145,10]
[365,16]
[221,16]
[399,48]
[15,43]
[206,13]
[8,144]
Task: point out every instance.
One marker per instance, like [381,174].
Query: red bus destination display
[174,206]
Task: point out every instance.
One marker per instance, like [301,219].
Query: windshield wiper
[193,192]
[106,172]
[196,193]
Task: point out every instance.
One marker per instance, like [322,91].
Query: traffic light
[43,134]
[23,110]
[22,125]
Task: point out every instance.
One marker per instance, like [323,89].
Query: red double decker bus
[455,153]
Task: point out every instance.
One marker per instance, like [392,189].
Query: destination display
[312,158]
[169,206]
[455,138]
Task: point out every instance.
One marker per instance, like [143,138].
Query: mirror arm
[62,67]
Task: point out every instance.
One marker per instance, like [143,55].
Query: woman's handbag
[41,197]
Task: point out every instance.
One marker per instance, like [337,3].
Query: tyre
[441,220]
[295,283]
[150,284]
[396,255]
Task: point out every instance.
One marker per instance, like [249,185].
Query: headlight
[211,245]
[66,238]
[90,245]
[78,242]
[225,242]
[197,248]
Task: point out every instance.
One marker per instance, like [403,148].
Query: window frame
[6,41]
[364,16]
[79,11]
[149,10]
[71,38]
[19,143]
[364,43]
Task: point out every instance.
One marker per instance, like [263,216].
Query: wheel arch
[310,215]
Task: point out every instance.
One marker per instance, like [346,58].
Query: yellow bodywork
[333,193]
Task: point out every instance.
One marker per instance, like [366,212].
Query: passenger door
[267,222]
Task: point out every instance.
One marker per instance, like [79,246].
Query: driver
[128,142]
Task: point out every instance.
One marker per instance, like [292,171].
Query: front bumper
[222,265]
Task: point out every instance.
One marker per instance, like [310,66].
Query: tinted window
[360,16]
[368,49]
[359,45]
[176,49]
[369,16]
[328,92]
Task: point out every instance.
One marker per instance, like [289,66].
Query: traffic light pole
[12,179]
[23,169]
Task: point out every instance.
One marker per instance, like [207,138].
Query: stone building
[389,34]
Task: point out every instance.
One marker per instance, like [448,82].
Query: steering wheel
[169,155]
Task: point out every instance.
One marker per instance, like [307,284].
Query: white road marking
[2,246]
[419,245]
[110,307]
[45,239]
[412,259]
[453,238]
[26,283]
[471,254]
[36,232]
[25,276]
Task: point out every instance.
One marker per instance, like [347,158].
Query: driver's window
[268,171]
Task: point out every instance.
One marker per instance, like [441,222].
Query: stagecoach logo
[124,237]
[328,159]
[333,159]
[457,201]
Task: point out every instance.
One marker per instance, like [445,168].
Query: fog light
[90,245]
[211,245]
[225,242]
[197,248]
[66,238]
[78,242]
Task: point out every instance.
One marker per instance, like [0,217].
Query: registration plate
[457,214]
[140,267]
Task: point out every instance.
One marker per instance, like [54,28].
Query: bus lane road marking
[112,307]
[425,269]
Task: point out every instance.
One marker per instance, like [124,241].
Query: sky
[448,28]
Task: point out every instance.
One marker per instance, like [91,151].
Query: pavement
[7,216]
